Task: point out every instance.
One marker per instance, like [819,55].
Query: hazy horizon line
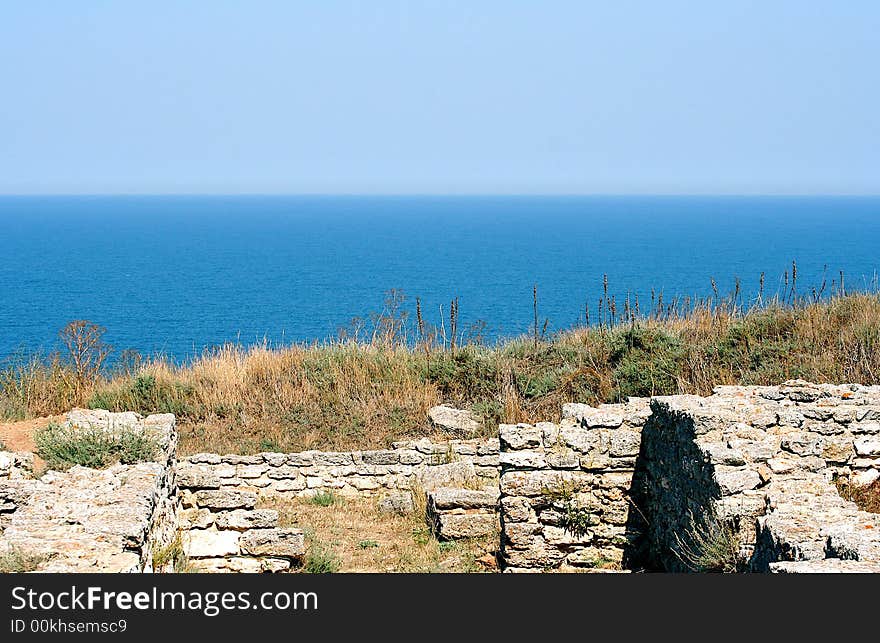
[445,194]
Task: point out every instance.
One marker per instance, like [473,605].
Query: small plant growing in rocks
[63,447]
[711,544]
[575,518]
[19,561]
[172,555]
[320,559]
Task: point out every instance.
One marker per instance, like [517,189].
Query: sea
[176,275]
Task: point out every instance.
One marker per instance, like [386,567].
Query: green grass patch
[320,559]
[324,499]
[63,447]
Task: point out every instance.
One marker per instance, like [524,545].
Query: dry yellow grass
[349,395]
[363,539]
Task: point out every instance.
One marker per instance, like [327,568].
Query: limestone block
[399,502]
[274,459]
[206,543]
[458,525]
[283,472]
[194,476]
[250,471]
[411,457]
[733,480]
[453,474]
[454,498]
[195,518]
[580,439]
[242,519]
[456,421]
[519,436]
[279,543]
[226,499]
[380,457]
[526,459]
[867,446]
[516,509]
[625,442]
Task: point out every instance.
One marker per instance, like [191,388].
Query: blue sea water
[176,274]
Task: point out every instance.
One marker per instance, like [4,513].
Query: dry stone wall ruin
[664,484]
[651,484]
[91,520]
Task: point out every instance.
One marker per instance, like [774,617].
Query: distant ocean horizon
[178,274]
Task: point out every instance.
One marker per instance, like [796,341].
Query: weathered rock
[444,475]
[205,543]
[453,498]
[520,436]
[278,543]
[242,519]
[458,525]
[455,421]
[226,499]
[195,518]
[195,476]
[397,502]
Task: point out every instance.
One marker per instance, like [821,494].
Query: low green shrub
[63,447]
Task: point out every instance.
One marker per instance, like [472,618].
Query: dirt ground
[19,436]
[352,535]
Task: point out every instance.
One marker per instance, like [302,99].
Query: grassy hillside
[366,393]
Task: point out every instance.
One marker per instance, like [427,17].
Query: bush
[19,561]
[646,362]
[711,544]
[320,559]
[63,447]
[469,374]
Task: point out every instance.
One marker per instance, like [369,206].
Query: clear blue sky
[479,96]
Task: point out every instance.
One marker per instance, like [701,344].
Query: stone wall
[16,474]
[756,466]
[743,479]
[564,487]
[407,464]
[455,513]
[675,482]
[223,532]
[89,520]
[16,465]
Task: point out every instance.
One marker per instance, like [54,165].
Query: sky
[413,97]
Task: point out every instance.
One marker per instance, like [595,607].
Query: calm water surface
[177,274]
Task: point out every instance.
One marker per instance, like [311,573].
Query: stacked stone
[13,494]
[585,465]
[16,483]
[223,532]
[347,473]
[762,461]
[456,513]
[16,465]
[88,520]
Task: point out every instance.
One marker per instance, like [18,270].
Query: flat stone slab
[87,520]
